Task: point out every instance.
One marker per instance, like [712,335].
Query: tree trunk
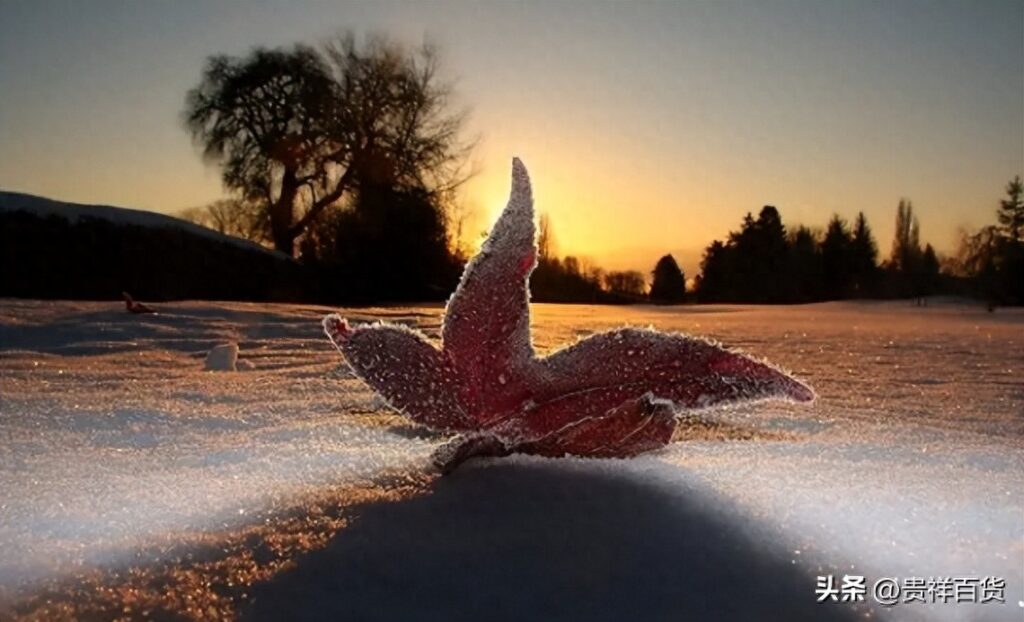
[284,242]
[282,215]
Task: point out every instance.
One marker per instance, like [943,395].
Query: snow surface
[910,463]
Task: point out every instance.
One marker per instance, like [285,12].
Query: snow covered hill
[73,212]
[52,249]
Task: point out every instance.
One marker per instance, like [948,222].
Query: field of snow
[135,483]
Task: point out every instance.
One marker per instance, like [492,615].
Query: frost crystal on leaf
[613,394]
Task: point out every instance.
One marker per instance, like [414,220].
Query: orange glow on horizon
[659,144]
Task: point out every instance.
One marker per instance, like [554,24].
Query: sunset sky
[647,127]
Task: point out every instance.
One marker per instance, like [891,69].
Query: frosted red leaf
[613,394]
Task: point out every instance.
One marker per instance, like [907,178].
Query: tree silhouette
[267,120]
[573,279]
[299,128]
[1014,262]
[390,245]
[761,263]
[758,258]
[927,277]
[906,245]
[1010,258]
[772,255]
[713,284]
[545,238]
[993,257]
[669,283]
[836,258]
[805,269]
[1011,211]
[629,284]
[904,269]
[864,258]
[236,217]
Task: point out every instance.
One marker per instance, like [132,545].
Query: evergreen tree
[768,279]
[758,257]
[740,259]
[669,283]
[805,271]
[836,258]
[715,271]
[1011,211]
[751,266]
[1011,245]
[864,258]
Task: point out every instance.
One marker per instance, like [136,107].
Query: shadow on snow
[539,540]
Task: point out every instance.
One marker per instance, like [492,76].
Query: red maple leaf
[613,394]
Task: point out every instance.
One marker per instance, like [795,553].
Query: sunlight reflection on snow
[911,461]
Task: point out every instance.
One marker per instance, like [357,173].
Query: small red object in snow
[135,307]
[613,394]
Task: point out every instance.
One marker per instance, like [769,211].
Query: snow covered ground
[134,481]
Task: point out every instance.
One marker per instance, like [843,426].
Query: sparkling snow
[113,436]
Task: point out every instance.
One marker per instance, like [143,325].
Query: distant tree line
[349,156]
[346,159]
[570,279]
[763,262]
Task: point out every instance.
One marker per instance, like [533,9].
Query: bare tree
[300,129]
[236,217]
[628,283]
[456,215]
[545,238]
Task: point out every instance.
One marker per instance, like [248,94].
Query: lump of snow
[223,357]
